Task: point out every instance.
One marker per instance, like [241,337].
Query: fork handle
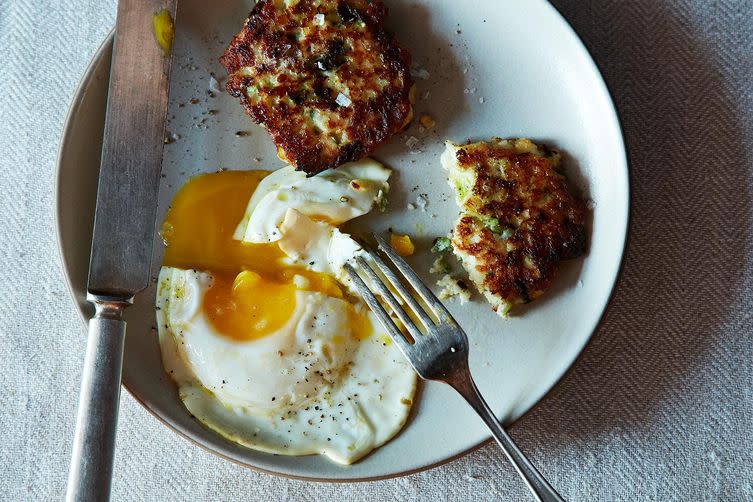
[540,487]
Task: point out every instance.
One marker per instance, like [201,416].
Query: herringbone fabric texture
[660,406]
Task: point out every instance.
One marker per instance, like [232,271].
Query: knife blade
[123,231]
[131,154]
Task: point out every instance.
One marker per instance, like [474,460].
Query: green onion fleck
[441,245]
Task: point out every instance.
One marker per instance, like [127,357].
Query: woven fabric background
[660,406]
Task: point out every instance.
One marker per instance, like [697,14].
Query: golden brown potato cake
[323,77]
[518,219]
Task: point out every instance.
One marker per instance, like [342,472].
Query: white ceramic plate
[505,68]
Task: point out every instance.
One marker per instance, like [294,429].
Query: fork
[440,352]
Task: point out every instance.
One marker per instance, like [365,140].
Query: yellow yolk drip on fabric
[253,293]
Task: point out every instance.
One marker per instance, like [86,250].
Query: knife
[123,233]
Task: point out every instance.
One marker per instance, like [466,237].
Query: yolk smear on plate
[253,292]
[402,244]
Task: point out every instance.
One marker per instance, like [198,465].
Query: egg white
[309,387]
[317,245]
[335,195]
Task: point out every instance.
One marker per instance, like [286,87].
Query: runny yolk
[253,292]
[247,306]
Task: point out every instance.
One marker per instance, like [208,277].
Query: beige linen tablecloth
[660,406]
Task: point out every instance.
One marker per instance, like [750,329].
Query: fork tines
[439,351]
[385,283]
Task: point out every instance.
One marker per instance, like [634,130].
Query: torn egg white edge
[317,246]
[372,175]
[332,249]
[283,177]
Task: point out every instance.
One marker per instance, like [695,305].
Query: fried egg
[265,344]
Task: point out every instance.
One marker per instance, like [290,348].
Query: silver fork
[440,352]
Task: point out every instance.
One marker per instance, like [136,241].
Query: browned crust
[280,43]
[533,201]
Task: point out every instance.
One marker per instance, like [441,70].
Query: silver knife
[123,232]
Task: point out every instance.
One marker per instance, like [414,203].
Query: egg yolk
[253,292]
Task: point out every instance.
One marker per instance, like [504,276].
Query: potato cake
[518,220]
[323,77]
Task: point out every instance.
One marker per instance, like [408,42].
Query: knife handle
[90,473]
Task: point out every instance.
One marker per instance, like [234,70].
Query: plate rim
[66,133]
